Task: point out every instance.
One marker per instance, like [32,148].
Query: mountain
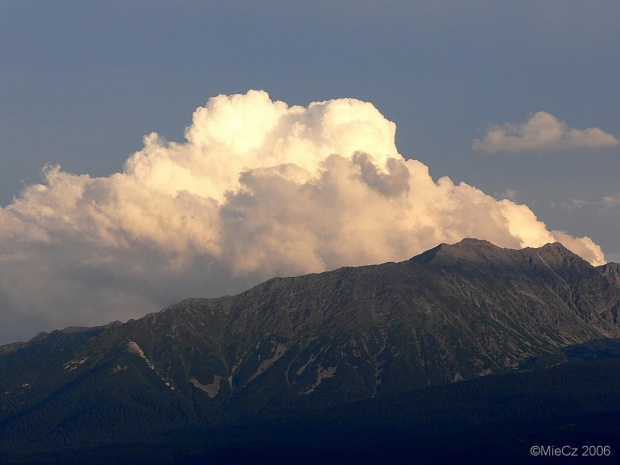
[321,348]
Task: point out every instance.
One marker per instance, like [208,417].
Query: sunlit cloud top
[257,189]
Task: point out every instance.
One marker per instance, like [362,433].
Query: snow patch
[322,373]
[133,348]
[305,365]
[118,368]
[211,389]
[277,350]
[72,365]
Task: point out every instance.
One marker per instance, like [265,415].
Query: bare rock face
[454,313]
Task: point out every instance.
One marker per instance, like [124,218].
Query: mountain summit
[454,313]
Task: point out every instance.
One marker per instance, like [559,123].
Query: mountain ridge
[610,269]
[454,313]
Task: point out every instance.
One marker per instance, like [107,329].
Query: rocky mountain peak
[467,251]
[558,250]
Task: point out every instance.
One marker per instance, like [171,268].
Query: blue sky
[83,81]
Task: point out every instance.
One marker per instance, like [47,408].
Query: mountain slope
[454,313]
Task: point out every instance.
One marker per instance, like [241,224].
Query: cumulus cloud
[541,132]
[257,189]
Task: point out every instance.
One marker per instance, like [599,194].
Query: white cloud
[574,204]
[257,189]
[510,194]
[541,132]
[578,203]
[611,201]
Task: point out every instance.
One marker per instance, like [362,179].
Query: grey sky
[83,81]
